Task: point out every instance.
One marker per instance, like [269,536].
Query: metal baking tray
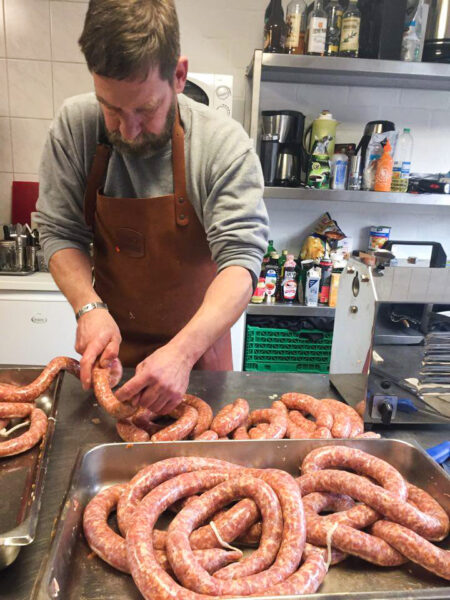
[22,476]
[71,571]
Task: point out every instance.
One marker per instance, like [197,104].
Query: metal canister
[325,281]
[354,174]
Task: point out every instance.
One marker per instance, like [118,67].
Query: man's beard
[146,144]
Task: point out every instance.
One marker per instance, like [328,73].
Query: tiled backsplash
[41,65]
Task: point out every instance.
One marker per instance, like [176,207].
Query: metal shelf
[309,195]
[290,310]
[351,71]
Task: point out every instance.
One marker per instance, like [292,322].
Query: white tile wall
[217,36]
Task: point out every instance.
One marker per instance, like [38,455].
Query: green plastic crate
[281,350]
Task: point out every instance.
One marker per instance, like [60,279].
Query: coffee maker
[371,128]
[281,147]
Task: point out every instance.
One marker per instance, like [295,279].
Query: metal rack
[290,310]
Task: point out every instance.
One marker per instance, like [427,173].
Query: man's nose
[130,128]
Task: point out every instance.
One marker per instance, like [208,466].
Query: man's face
[139,115]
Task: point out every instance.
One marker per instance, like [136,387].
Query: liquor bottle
[317,30]
[275,29]
[334,23]
[268,12]
[296,26]
[351,24]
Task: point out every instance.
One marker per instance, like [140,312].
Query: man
[171,196]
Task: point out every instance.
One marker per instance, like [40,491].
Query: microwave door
[195,92]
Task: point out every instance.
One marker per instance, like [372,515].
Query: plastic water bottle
[411,44]
[402,162]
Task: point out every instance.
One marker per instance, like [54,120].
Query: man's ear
[181,72]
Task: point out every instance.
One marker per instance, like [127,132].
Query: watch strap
[88,307]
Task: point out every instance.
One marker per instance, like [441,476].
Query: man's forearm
[224,302]
[71,269]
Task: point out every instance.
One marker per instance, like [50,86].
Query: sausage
[36,431]
[128,432]
[344,537]
[276,420]
[241,433]
[302,422]
[105,396]
[414,547]
[306,580]
[230,417]
[321,433]
[186,419]
[209,434]
[111,548]
[361,408]
[368,435]
[150,578]
[15,410]
[28,393]
[336,555]
[179,552]
[4,423]
[309,406]
[434,526]
[115,372]
[329,457]
[357,424]
[205,414]
[149,477]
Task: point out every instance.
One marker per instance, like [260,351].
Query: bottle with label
[282,262]
[351,24]
[270,249]
[260,292]
[325,282]
[339,169]
[334,23]
[317,30]
[383,177]
[289,286]
[312,286]
[272,278]
[268,12]
[296,27]
[402,162]
[275,29]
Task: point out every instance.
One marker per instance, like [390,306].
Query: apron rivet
[117,249]
[181,200]
[182,217]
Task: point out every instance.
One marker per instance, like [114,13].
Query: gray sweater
[223,173]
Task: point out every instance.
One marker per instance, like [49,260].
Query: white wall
[40,65]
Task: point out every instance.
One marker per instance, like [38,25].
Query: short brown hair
[125,39]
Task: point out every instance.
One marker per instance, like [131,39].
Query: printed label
[294,23]
[317,35]
[350,34]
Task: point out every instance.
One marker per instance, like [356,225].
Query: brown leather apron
[152,262]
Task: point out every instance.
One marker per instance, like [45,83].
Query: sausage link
[15,410]
[309,406]
[150,578]
[28,393]
[357,424]
[414,547]
[111,547]
[186,419]
[302,422]
[336,555]
[179,551]
[368,435]
[329,457]
[321,433]
[306,580]
[149,477]
[22,443]
[105,396]
[145,419]
[252,536]
[241,433]
[276,420]
[209,434]
[361,408]
[205,414]
[128,432]
[230,417]
[433,526]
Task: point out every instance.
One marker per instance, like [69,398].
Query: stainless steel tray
[22,476]
[72,572]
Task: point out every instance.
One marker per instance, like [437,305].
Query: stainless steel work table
[80,422]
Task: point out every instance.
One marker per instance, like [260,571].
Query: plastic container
[402,162]
[281,350]
[339,169]
[383,177]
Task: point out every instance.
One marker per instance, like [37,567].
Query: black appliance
[437,38]
[382,25]
[371,128]
[281,147]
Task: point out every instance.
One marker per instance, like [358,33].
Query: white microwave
[211,89]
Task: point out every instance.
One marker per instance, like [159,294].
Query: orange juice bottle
[383,177]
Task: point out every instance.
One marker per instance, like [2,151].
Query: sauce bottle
[383,177]
[289,285]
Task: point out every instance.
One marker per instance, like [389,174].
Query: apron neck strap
[95,181]
[179,172]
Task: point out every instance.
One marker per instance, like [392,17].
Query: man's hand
[97,336]
[160,380]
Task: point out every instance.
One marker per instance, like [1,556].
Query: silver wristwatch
[91,306]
